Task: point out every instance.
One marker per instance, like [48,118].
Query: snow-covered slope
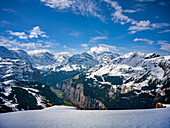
[62,57]
[45,61]
[104,57]
[69,117]
[42,60]
[20,86]
[128,78]
[78,62]
[17,69]
[135,64]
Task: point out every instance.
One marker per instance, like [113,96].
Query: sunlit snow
[69,117]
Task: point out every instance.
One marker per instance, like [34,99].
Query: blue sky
[75,26]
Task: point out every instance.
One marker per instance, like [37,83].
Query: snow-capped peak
[103,53]
[61,56]
[133,54]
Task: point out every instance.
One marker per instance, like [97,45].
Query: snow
[10,82]
[69,117]
[43,86]
[133,66]
[30,89]
[7,91]
[16,69]
[9,104]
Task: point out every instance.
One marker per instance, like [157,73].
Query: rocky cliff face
[77,97]
[135,80]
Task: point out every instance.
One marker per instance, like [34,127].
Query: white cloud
[28,45]
[110,47]
[83,7]
[47,46]
[132,32]
[21,35]
[132,11]
[35,32]
[143,23]
[38,51]
[50,44]
[134,29]
[4,23]
[32,45]
[8,43]
[93,8]
[160,25]
[145,40]
[9,10]
[62,54]
[94,39]
[84,45]
[14,43]
[140,26]
[75,34]
[164,45]
[146,25]
[60,4]
[103,48]
[72,49]
[164,31]
[119,17]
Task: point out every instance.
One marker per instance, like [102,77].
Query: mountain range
[90,80]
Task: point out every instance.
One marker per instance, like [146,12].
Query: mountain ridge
[134,77]
[90,80]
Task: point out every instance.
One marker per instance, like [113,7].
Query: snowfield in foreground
[69,117]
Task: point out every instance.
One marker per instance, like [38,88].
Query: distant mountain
[40,59]
[21,54]
[104,57]
[62,57]
[134,80]
[45,61]
[76,64]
